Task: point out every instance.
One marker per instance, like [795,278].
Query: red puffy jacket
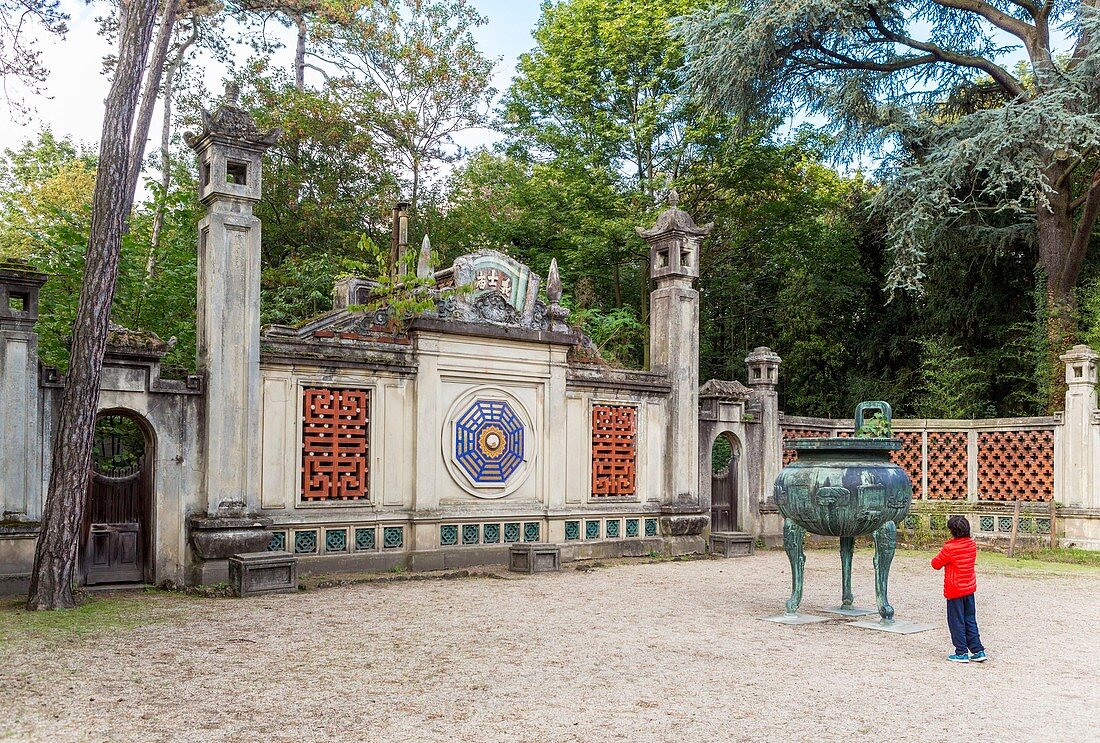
[958,556]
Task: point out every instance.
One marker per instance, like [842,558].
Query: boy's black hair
[958,526]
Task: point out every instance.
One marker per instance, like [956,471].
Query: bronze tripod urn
[845,487]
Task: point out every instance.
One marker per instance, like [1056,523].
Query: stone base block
[853,611]
[534,558]
[898,626]
[731,544]
[259,573]
[795,619]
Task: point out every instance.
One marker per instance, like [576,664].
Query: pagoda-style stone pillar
[765,439]
[20,427]
[230,149]
[1075,480]
[674,248]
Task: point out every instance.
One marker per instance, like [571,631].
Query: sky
[73,102]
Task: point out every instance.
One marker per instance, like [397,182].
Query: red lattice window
[1016,464]
[909,457]
[335,444]
[947,465]
[614,449]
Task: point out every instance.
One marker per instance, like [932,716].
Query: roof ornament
[231,121]
[424,263]
[558,314]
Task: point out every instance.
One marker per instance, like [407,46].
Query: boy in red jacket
[959,583]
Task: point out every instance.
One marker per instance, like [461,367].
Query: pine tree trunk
[55,557]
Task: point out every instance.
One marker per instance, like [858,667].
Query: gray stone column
[765,437]
[230,149]
[1076,447]
[20,427]
[674,344]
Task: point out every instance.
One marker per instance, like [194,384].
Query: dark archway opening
[116,534]
[725,457]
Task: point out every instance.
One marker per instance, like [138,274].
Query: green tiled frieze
[531,531]
[572,530]
[278,542]
[591,529]
[448,535]
[511,532]
[393,537]
[632,527]
[336,540]
[611,530]
[305,542]
[364,539]
[471,533]
[651,527]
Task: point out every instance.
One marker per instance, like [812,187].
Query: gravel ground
[669,651]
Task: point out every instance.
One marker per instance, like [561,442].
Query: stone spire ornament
[424,263]
[558,314]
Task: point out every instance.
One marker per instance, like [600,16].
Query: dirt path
[670,651]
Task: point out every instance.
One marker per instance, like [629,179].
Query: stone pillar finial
[424,262]
[674,244]
[1081,365]
[763,367]
[558,314]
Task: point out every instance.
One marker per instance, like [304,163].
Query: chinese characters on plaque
[491,278]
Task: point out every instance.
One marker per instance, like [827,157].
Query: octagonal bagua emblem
[489,442]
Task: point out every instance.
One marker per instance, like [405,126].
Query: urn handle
[875,406]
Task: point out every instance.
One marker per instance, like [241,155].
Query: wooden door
[115,523]
[723,485]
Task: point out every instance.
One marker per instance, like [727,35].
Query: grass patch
[92,616]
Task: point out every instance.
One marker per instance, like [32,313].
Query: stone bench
[259,573]
[534,558]
[732,544]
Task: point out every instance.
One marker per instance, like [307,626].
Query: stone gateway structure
[364,441]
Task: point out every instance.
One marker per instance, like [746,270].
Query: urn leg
[793,536]
[847,547]
[886,541]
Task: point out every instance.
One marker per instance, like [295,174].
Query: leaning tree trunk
[56,552]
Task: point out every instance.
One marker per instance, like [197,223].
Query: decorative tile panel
[614,453]
[611,530]
[305,542]
[1004,523]
[947,465]
[489,441]
[491,533]
[278,542]
[910,521]
[531,531]
[1016,464]
[937,522]
[1027,526]
[572,530]
[632,527]
[651,527]
[336,540]
[364,539]
[393,537]
[985,523]
[471,533]
[448,535]
[591,529]
[511,532]
[1042,525]
[335,444]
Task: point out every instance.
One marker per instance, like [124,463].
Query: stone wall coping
[50,377]
[356,354]
[612,378]
[930,424]
[485,330]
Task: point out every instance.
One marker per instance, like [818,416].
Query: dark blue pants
[963,625]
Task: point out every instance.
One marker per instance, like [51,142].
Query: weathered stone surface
[534,558]
[219,537]
[259,573]
[732,544]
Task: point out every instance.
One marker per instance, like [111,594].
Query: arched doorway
[115,543]
[725,456]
